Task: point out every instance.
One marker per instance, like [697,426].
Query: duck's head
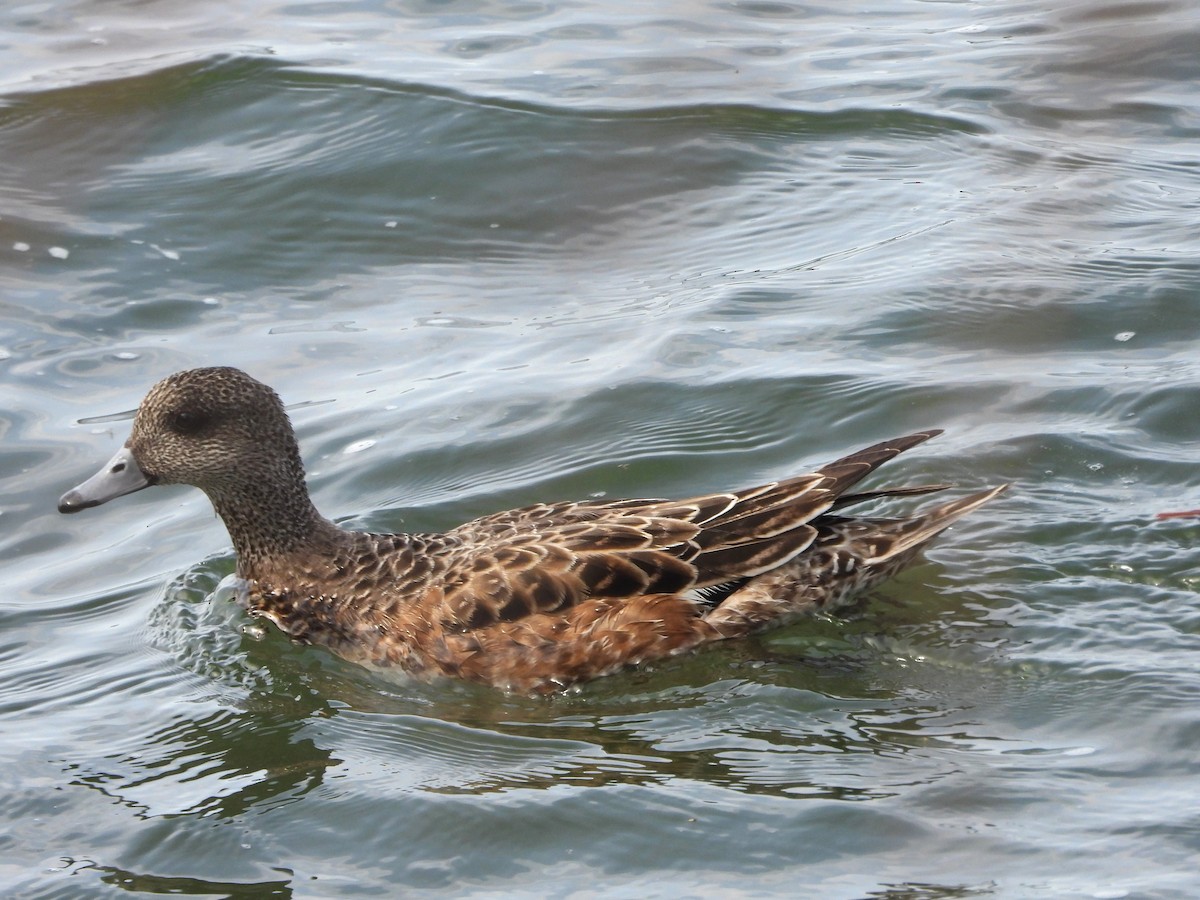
[215,428]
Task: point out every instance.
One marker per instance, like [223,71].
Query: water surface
[492,254]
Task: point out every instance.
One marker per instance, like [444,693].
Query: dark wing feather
[549,557]
[915,490]
[768,525]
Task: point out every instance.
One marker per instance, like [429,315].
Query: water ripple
[511,252]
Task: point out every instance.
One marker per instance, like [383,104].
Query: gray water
[496,253]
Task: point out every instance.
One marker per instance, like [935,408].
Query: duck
[533,600]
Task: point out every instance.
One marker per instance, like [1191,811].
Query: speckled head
[225,433]
[211,428]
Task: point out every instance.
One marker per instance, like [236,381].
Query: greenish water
[498,253]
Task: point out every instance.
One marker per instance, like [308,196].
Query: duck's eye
[187,422]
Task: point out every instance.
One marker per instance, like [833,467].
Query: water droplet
[1123,335]
[20,246]
[359,446]
[1096,467]
[59,252]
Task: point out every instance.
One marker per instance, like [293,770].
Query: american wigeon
[530,600]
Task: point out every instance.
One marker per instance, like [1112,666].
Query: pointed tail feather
[850,556]
[925,527]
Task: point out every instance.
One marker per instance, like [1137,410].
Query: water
[498,253]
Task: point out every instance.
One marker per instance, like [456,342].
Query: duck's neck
[270,522]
